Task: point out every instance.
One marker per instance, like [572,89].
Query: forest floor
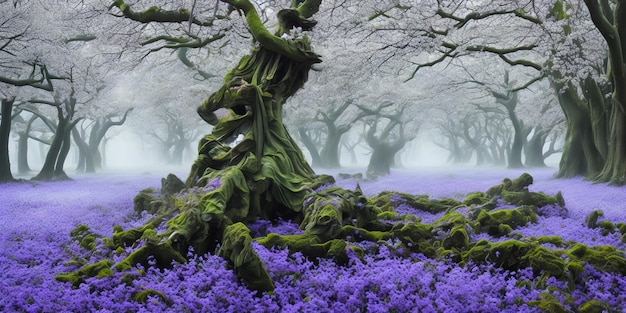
[36,219]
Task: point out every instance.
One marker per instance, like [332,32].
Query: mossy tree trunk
[580,156]
[611,25]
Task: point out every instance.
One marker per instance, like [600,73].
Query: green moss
[519,184]
[142,296]
[603,258]
[621,227]
[537,199]
[594,306]
[449,220]
[361,234]
[88,242]
[458,238]
[387,215]
[504,229]
[143,201]
[555,240]
[544,260]
[413,233]
[99,269]
[575,268]
[476,198]
[237,249]
[514,255]
[387,200]
[548,304]
[592,218]
[80,230]
[490,222]
[607,227]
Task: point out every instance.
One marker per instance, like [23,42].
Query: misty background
[408,86]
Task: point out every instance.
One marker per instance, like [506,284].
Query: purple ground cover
[35,244]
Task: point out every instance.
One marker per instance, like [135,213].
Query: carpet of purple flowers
[35,245]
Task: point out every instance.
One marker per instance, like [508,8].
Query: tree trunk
[614,171]
[330,152]
[178,151]
[48,168]
[316,160]
[59,172]
[515,154]
[380,162]
[85,159]
[22,153]
[533,150]
[613,31]
[580,156]
[5,131]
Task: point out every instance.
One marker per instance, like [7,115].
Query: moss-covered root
[312,247]
[163,252]
[502,222]
[388,200]
[516,185]
[538,199]
[237,249]
[415,237]
[514,255]
[99,269]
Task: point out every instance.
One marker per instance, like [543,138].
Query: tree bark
[613,30]
[5,131]
[308,143]
[580,156]
[330,152]
[48,168]
[85,159]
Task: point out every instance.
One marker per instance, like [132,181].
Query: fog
[127,151]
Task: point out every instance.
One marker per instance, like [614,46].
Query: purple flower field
[35,245]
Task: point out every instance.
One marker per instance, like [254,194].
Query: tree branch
[156,14]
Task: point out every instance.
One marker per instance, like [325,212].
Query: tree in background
[608,19]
